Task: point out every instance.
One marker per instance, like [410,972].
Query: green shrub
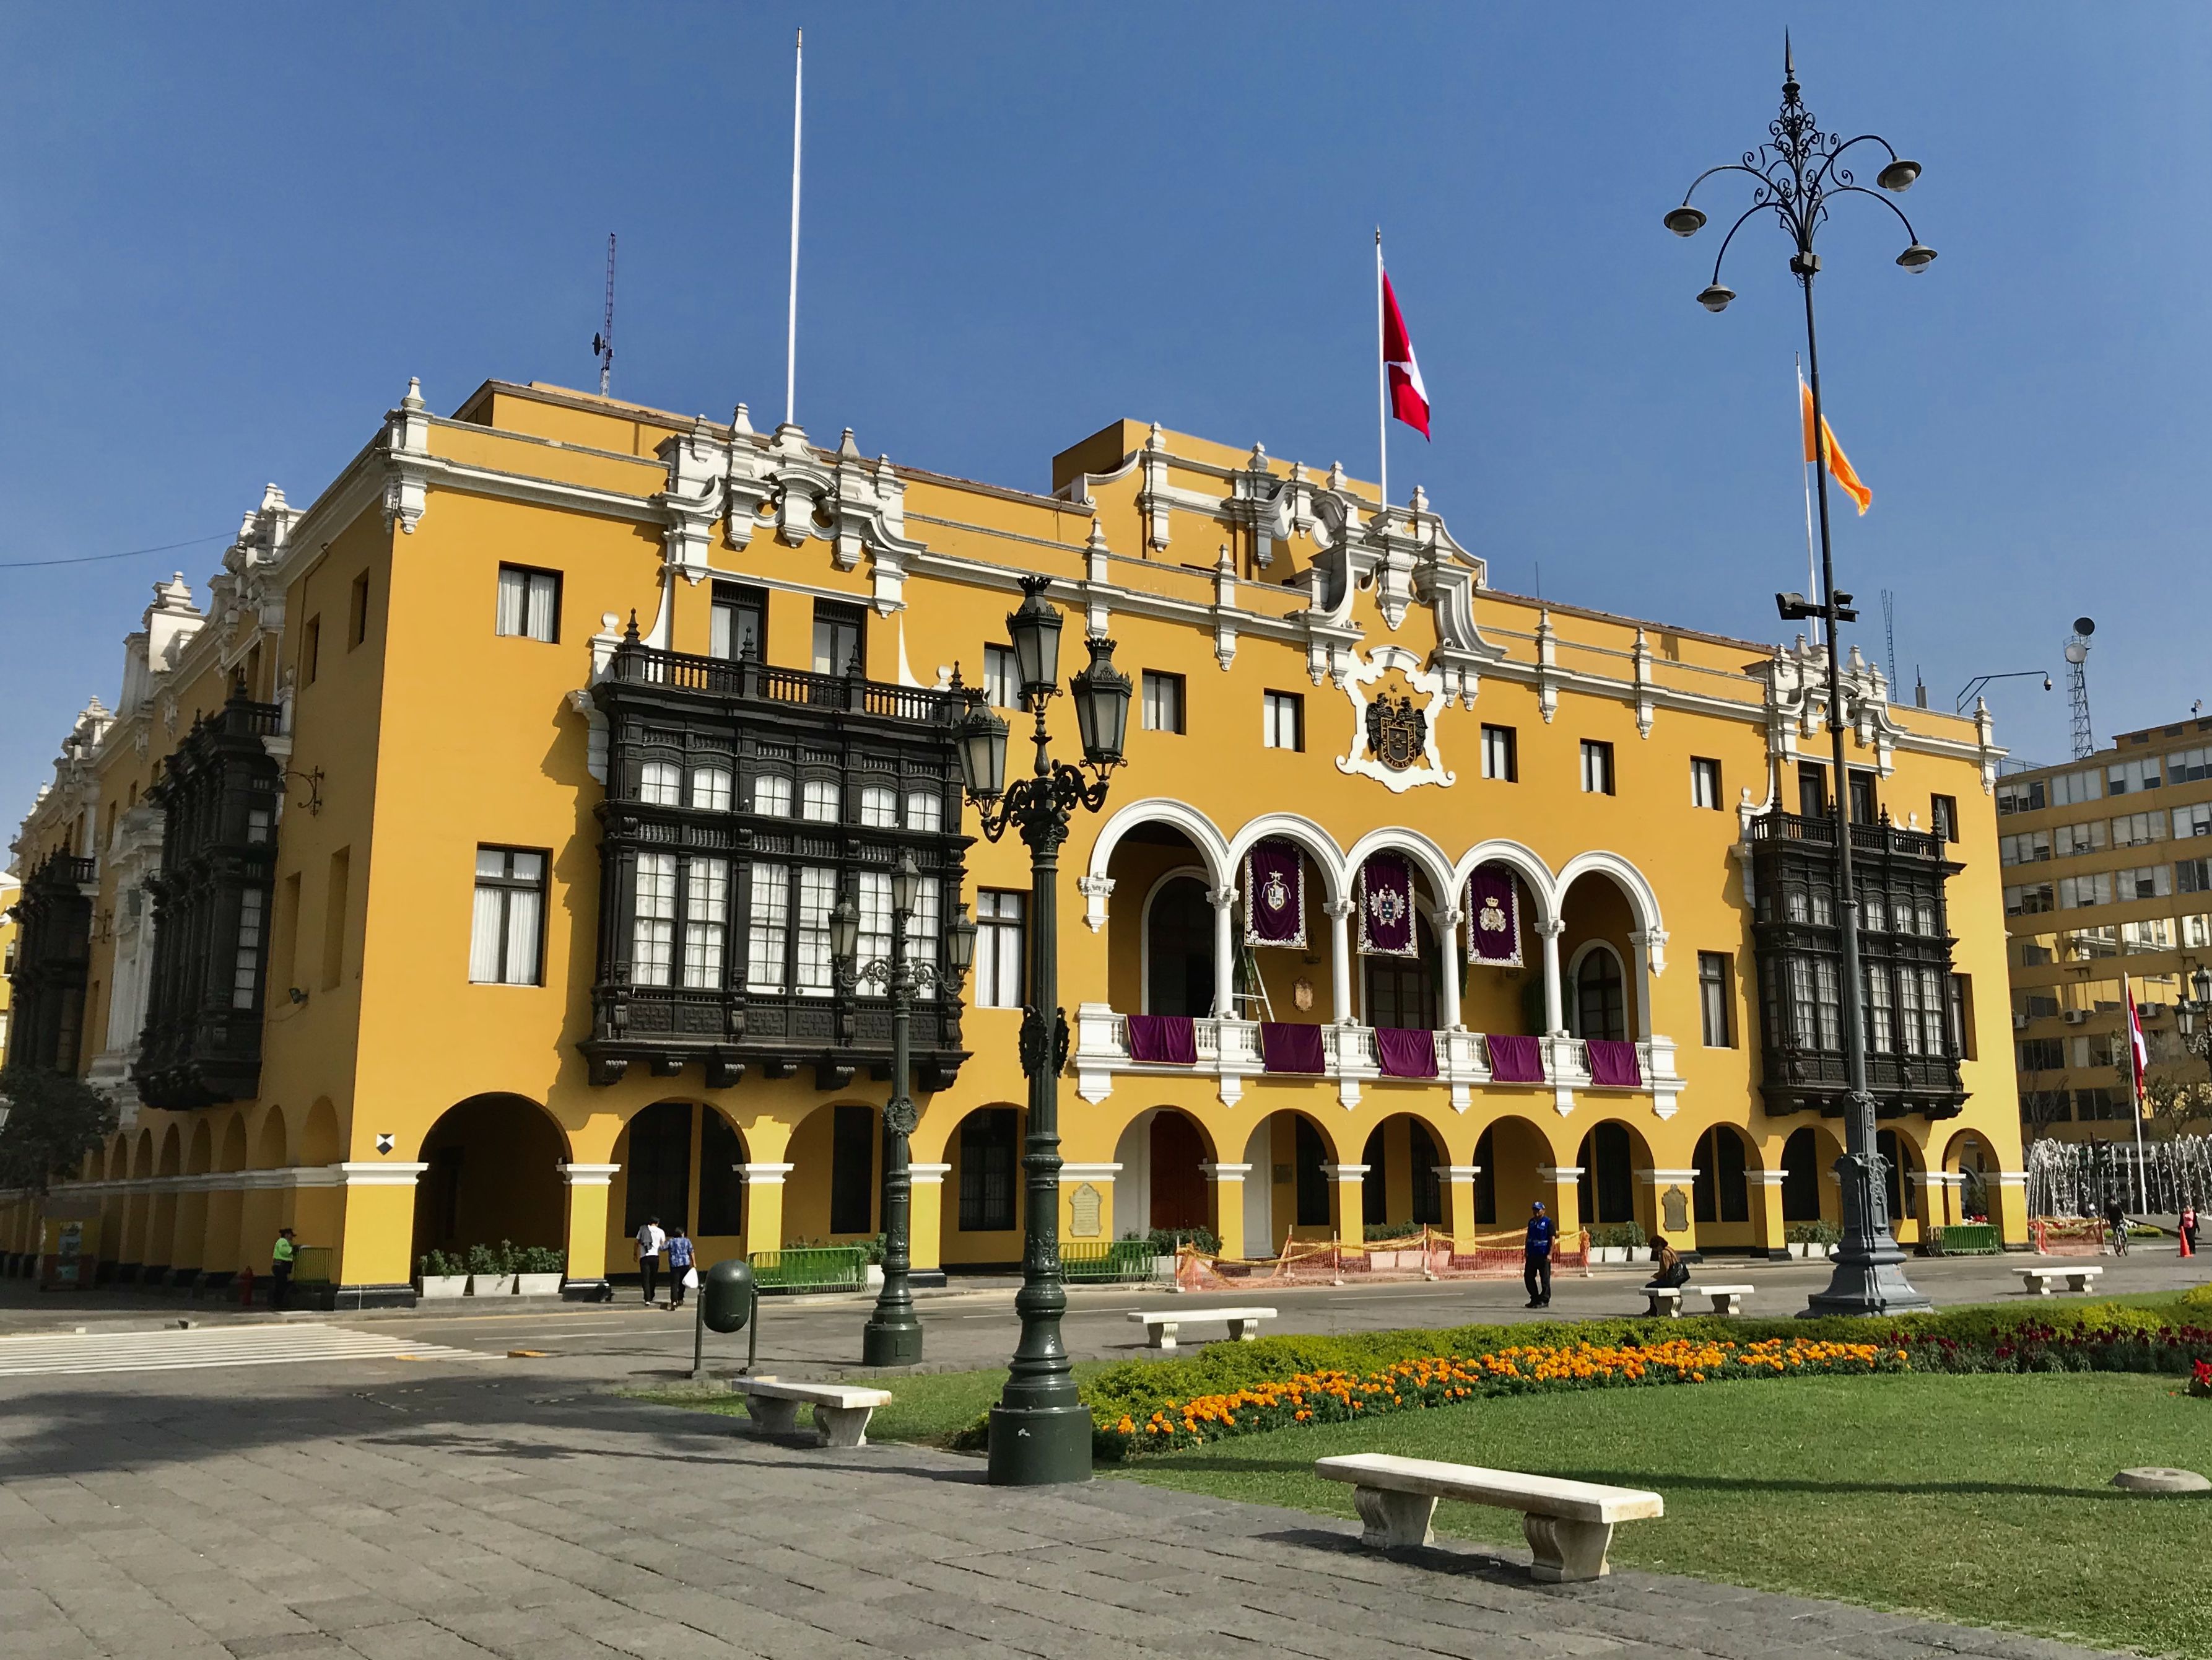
[438,1264]
[1613,1234]
[541,1259]
[1166,1242]
[482,1259]
[1813,1233]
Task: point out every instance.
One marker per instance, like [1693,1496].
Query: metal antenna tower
[2077,654]
[1889,633]
[603,342]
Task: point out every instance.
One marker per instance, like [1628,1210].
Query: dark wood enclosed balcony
[53,948]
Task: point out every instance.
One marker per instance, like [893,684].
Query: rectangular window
[2073,839]
[925,810]
[1283,721]
[2136,830]
[772,795]
[1597,767]
[852,1170]
[713,788]
[1862,802]
[2071,789]
[1825,988]
[2027,848]
[839,636]
[989,1150]
[767,933]
[999,963]
[817,801]
[528,603]
[2195,875]
[923,929]
[875,939]
[1717,997]
[1812,789]
[817,897]
[335,911]
[1704,782]
[2144,882]
[1909,1010]
[1163,701]
[706,922]
[739,627]
[2193,820]
[1880,1038]
[2188,766]
[506,937]
[2021,798]
[2077,890]
[653,936]
[1499,760]
[357,612]
[1002,681]
[245,977]
[878,807]
[2043,1054]
[2125,777]
[312,649]
[1943,816]
[660,784]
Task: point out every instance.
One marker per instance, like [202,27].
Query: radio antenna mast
[1889,633]
[603,342]
[2077,654]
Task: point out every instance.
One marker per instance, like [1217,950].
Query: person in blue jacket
[1536,1256]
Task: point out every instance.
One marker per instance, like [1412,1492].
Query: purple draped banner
[1493,917]
[1386,907]
[1274,895]
[1613,1064]
[1167,1040]
[1287,1047]
[1515,1060]
[1406,1053]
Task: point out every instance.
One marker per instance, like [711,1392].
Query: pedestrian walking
[650,1240]
[679,1266]
[282,1255]
[1536,1256]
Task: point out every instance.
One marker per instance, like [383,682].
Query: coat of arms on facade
[1397,732]
[1276,894]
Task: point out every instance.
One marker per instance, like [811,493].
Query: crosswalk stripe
[172,1351]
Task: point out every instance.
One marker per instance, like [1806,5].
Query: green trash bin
[729,1300]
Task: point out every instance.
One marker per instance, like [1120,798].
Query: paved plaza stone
[429,1510]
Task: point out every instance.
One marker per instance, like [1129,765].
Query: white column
[1224,952]
[931,1176]
[1340,957]
[1447,924]
[1648,947]
[1555,1020]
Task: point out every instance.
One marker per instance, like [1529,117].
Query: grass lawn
[1985,1500]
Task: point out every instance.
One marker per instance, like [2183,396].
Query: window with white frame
[925,810]
[2126,777]
[818,800]
[1716,998]
[2188,766]
[660,784]
[2027,848]
[2077,890]
[999,965]
[2072,839]
[1943,816]
[245,977]
[506,932]
[923,924]
[528,603]
[2193,875]
[2022,798]
[1163,701]
[1283,721]
[1597,767]
[2151,934]
[2029,898]
[875,942]
[706,922]
[2197,933]
[1704,782]
[2144,882]
[768,930]
[1002,679]
[772,795]
[653,940]
[2195,820]
[879,807]
[817,897]
[2071,788]
[2136,829]
[712,788]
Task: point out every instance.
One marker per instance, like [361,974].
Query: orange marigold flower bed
[1332,1397]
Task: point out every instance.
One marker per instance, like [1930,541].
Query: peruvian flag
[1409,399]
[2138,1050]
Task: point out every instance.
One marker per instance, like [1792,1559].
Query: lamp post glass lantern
[1795,176]
[1040,1430]
[893,1336]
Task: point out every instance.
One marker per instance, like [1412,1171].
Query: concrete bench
[1569,1523]
[841,1411]
[1160,1329]
[1725,1299]
[2078,1277]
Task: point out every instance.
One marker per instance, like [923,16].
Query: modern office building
[458,865]
[2105,875]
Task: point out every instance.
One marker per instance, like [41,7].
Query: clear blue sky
[227,236]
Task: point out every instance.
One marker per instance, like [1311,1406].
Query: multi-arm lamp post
[893,1336]
[1795,174]
[1040,1430]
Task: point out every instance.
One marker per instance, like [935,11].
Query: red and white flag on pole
[2138,1050]
[1409,399]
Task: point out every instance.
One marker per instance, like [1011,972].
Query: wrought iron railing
[1107,1261]
[744,676]
[810,1267]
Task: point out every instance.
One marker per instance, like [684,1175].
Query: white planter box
[444,1285]
[491,1285]
[1609,1253]
[872,1276]
[537,1284]
[1639,1254]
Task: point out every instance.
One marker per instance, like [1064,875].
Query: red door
[1178,1184]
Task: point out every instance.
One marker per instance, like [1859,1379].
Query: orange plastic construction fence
[1427,1253]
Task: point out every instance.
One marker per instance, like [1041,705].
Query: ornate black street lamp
[1040,1430]
[2193,1015]
[893,1336]
[1794,176]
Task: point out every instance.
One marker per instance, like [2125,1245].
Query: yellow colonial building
[457,867]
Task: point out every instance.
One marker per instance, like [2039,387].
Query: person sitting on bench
[1674,1273]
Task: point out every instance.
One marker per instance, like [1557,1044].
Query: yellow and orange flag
[1839,465]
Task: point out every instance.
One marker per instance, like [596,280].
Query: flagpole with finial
[1381,388]
[791,326]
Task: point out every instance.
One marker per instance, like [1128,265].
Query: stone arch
[1161,1184]
[1809,1193]
[142,1155]
[1642,899]
[1425,855]
[271,1146]
[723,1146]
[982,1201]
[1904,1178]
[199,1149]
[1401,1189]
[1970,1156]
[1592,958]
[1725,1160]
[1524,862]
[1511,1150]
[118,1159]
[1302,832]
[494,1173]
[1606,908]
[230,1154]
[1213,849]
[319,1139]
[1295,1144]
[1192,983]
[1614,1158]
[834,1188]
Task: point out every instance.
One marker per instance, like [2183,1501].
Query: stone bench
[841,1411]
[2078,1277]
[1569,1523]
[1668,1299]
[1160,1329]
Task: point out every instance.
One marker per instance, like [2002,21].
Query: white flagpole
[791,328]
[2134,1087]
[1811,570]
[1382,387]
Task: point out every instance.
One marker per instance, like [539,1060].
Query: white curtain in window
[772,795]
[819,802]
[711,787]
[544,605]
[525,916]
[922,932]
[925,810]
[879,807]
[248,972]
[769,900]
[817,897]
[654,936]
[875,943]
[484,935]
[514,598]
[660,783]
[705,914]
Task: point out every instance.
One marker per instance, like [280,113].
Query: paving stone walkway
[424,1513]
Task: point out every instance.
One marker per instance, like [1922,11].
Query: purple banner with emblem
[1493,917]
[1275,896]
[1386,907]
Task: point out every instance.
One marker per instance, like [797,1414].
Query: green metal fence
[1107,1260]
[1965,1239]
[810,1267]
[311,1266]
